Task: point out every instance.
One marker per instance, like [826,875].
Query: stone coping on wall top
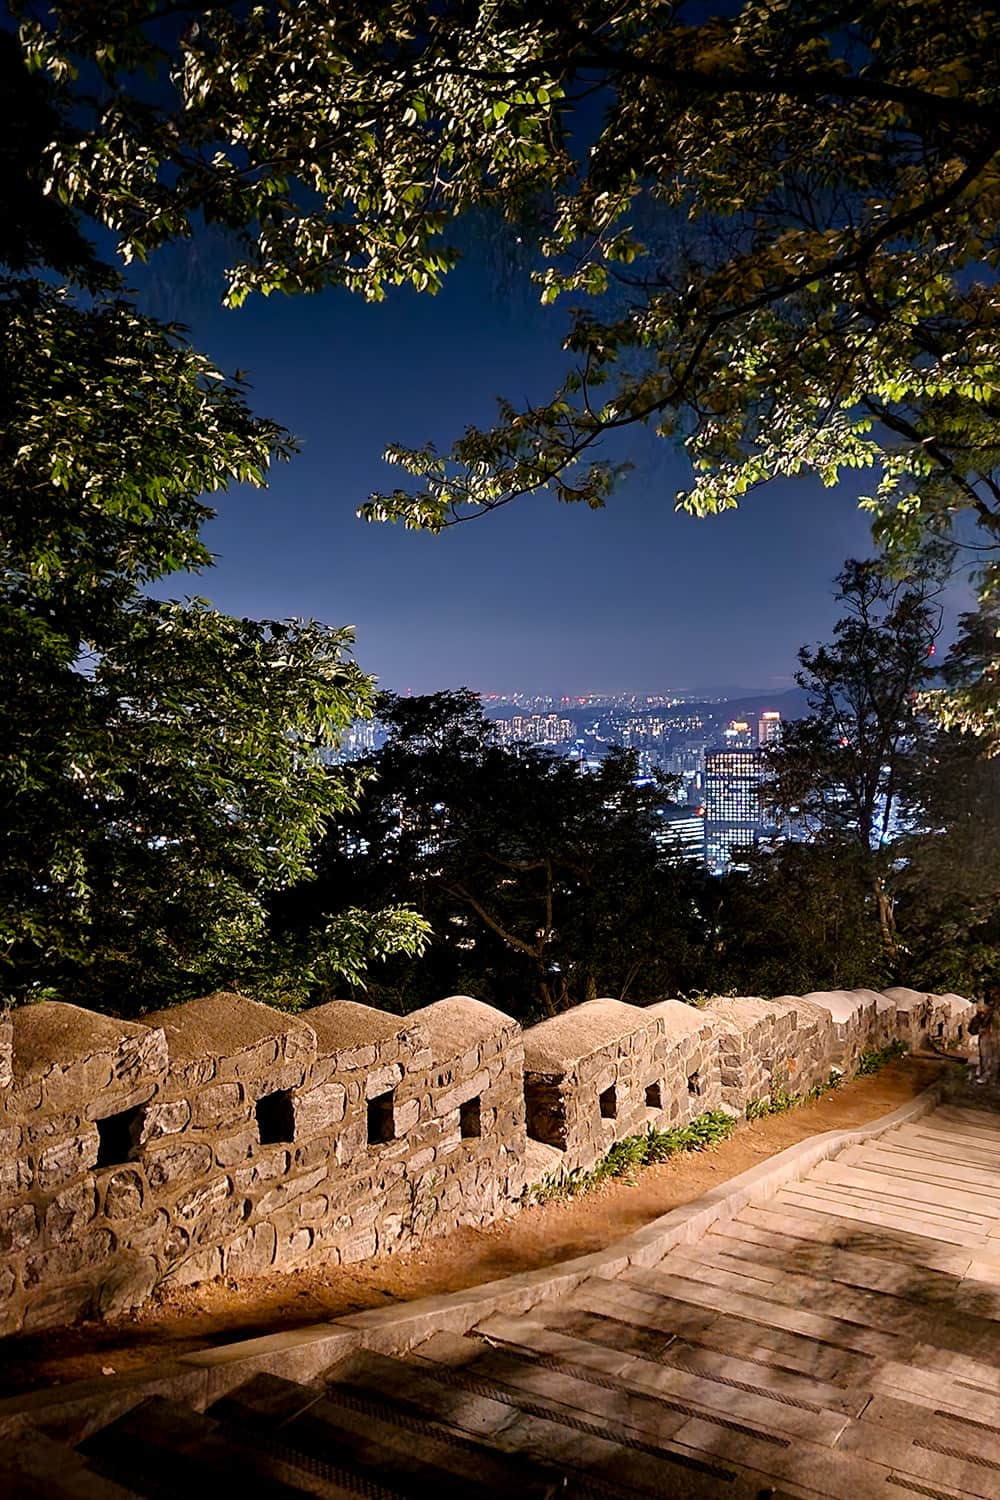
[680,1019]
[343,1024]
[906,999]
[225,1024]
[744,1010]
[554,1045]
[54,1035]
[71,1412]
[957,1004]
[458,1023]
[843,1005]
[876,998]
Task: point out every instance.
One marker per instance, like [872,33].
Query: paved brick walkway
[840,1339]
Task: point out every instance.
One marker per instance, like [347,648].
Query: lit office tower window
[768,727]
[733,817]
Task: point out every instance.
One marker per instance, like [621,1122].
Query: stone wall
[606,1070]
[770,1045]
[224,1138]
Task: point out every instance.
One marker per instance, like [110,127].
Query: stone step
[809,1226]
[735,1242]
[933,1421]
[940,1145]
[728,1369]
[924,1156]
[985,1267]
[587,1457]
[891,1314]
[966,1289]
[615,1308]
[898,1161]
[929,1450]
[947,1144]
[875,1212]
[839,1332]
[677,1392]
[754,1457]
[369,1434]
[34,1467]
[979,1206]
[933,1383]
[160,1448]
[983,1122]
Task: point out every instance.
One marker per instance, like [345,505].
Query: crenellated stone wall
[771,1045]
[225,1138]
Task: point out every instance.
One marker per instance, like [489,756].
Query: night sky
[537,597]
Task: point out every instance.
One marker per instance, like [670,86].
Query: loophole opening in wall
[609,1103]
[381,1119]
[275,1118]
[469,1120]
[119,1136]
[694,1083]
[654,1096]
[940,1030]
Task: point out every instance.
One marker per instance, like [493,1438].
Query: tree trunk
[886,916]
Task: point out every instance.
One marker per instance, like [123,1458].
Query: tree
[781,238]
[160,772]
[843,773]
[544,884]
[798,918]
[949,875]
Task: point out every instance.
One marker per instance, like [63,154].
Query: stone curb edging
[70,1413]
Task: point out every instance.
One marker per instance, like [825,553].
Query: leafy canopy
[776,228]
[160,774]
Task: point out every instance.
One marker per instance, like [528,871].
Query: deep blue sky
[538,596]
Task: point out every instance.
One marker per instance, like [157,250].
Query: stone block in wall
[127,1284]
[319,1110]
[6,1053]
[251,1253]
[67,1158]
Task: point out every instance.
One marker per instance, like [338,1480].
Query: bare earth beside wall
[223,1138]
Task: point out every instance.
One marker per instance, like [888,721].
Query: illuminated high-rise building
[768,727]
[681,834]
[739,735]
[733,813]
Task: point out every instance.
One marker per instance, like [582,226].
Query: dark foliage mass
[544,885]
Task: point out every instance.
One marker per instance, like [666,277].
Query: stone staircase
[840,1338]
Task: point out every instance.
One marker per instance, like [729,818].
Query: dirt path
[223,1311]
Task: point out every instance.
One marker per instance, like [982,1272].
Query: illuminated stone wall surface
[225,1138]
